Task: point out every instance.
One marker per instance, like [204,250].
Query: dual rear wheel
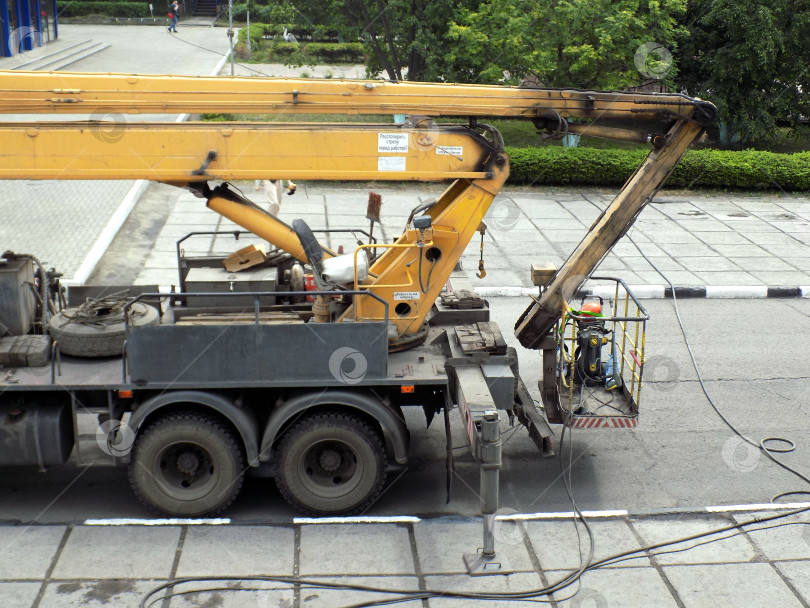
[331,463]
[192,465]
[187,464]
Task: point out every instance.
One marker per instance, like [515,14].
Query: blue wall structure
[26,25]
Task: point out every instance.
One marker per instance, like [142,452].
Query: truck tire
[331,463]
[187,464]
[81,340]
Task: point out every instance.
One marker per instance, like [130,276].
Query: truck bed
[423,364]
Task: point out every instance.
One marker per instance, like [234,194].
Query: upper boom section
[76,93]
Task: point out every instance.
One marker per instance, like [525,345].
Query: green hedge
[266,16]
[283,49]
[81,8]
[256,31]
[346,52]
[751,169]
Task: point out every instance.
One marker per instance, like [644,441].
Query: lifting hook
[481,271]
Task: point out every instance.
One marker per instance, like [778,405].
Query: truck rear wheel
[187,464]
[331,464]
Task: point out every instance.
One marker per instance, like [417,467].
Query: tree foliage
[752,59]
[563,43]
[400,34]
[579,43]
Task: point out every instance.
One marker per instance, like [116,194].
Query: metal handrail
[631,349]
[236,234]
[645,316]
[256,295]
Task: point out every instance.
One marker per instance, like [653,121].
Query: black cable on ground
[567,482]
[404,595]
[415,594]
[761,445]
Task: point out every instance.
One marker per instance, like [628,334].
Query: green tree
[752,59]
[262,12]
[563,43]
[400,34]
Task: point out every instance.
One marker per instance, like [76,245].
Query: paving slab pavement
[69,224]
[307,564]
[542,225]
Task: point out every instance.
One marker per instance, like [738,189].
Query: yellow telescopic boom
[114,144]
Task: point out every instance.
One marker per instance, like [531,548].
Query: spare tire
[103,339]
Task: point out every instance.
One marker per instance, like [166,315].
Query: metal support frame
[25,40]
[488,453]
[614,222]
[470,390]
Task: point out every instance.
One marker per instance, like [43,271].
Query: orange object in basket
[592,307]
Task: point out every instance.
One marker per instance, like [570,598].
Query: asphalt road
[752,353]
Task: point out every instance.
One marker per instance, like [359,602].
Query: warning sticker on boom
[399,296]
[451,150]
[395,143]
[390,163]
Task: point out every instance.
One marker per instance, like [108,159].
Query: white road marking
[731,291]
[410,519]
[158,522]
[395,519]
[560,515]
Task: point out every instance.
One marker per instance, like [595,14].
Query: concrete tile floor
[748,252]
[84,565]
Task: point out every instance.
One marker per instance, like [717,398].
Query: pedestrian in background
[273,190]
[174,15]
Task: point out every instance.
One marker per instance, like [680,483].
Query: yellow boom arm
[409,275]
[75,93]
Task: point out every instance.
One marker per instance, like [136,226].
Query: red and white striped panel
[603,422]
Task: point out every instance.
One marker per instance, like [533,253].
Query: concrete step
[207,8]
[36,61]
[199,21]
[64,57]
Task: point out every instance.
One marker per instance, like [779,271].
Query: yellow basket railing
[626,324]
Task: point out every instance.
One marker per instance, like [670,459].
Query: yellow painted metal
[104,94]
[263,225]
[455,219]
[569,356]
[624,327]
[376,285]
[171,152]
[177,153]
[641,357]
[121,147]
